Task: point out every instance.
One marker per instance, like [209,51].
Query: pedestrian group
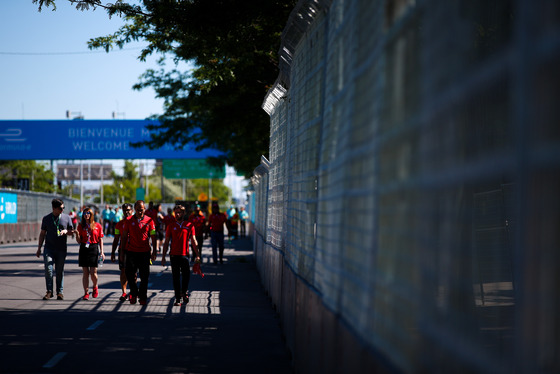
[138,237]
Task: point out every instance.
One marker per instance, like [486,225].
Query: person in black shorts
[90,237]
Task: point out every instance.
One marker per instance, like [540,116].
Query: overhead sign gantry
[85,139]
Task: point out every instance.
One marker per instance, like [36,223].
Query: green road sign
[192,169]
[140,193]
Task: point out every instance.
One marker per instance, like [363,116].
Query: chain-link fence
[414,177]
[31,207]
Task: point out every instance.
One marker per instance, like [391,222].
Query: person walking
[139,229]
[199,222]
[74,217]
[179,233]
[168,219]
[243,217]
[217,221]
[231,223]
[232,230]
[160,230]
[154,212]
[106,219]
[115,217]
[55,229]
[90,238]
[117,242]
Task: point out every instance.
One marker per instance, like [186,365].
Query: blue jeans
[217,239]
[54,264]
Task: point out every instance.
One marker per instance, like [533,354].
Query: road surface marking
[95,325]
[53,361]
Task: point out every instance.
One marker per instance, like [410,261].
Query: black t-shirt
[52,225]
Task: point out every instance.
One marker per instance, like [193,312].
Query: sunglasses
[87,213]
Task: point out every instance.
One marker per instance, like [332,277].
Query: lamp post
[101,189]
[81,184]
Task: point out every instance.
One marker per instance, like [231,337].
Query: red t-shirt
[198,222]
[139,232]
[91,235]
[180,234]
[217,221]
[151,213]
[168,220]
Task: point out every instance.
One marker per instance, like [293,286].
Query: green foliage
[40,177]
[124,186]
[232,46]
[173,189]
[119,7]
[45,3]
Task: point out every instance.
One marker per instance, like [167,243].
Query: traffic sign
[192,169]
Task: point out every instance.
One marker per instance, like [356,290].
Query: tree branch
[119,7]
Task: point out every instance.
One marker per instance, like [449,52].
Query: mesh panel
[33,206]
[414,176]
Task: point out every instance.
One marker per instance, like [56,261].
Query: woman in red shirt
[89,236]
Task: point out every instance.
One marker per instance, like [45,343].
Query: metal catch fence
[414,177]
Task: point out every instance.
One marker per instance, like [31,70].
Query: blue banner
[84,139]
[8,208]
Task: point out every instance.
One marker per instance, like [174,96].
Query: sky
[47,69]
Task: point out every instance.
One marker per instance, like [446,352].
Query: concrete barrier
[19,232]
[318,339]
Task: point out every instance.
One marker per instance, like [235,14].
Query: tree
[173,188]
[40,178]
[124,187]
[232,45]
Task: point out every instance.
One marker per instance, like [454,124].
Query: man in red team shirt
[169,219]
[117,242]
[217,220]
[180,232]
[139,229]
[154,211]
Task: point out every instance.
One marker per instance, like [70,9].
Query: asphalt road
[228,326]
